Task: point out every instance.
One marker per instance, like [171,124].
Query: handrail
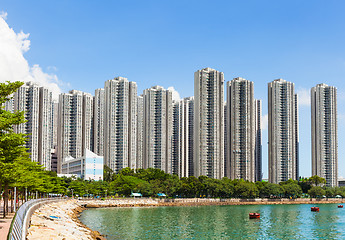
[21,220]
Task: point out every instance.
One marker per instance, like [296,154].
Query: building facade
[282,131]
[188,124]
[99,112]
[120,134]
[74,125]
[324,135]
[209,123]
[88,167]
[241,130]
[140,131]
[258,144]
[36,102]
[157,122]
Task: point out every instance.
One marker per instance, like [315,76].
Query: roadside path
[5,223]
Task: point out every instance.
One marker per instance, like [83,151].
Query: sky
[79,45]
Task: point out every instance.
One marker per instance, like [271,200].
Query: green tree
[12,148]
[316,191]
[271,189]
[107,173]
[291,189]
[245,189]
[316,180]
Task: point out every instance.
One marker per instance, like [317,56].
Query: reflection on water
[218,222]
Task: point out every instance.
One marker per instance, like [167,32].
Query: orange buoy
[254,215]
[315,209]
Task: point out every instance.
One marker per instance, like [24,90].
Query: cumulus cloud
[175,94]
[264,122]
[14,66]
[3,15]
[303,97]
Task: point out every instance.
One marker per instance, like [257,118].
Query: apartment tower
[120,125]
[75,125]
[324,138]
[158,113]
[99,112]
[258,144]
[36,102]
[140,131]
[241,130]
[282,131]
[209,123]
[188,125]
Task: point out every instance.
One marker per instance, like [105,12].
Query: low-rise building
[87,167]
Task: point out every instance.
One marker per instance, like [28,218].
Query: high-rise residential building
[209,123]
[9,105]
[324,138]
[75,125]
[98,120]
[36,102]
[182,137]
[258,144]
[88,130]
[158,113]
[177,144]
[241,130]
[226,164]
[282,131]
[140,131]
[120,134]
[45,131]
[188,124]
[55,112]
[26,99]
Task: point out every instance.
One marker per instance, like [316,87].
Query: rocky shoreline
[60,220]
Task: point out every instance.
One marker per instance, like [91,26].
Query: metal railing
[21,220]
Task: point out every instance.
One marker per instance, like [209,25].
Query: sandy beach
[60,220]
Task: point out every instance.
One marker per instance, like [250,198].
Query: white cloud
[303,97]
[14,66]
[3,15]
[175,94]
[264,122]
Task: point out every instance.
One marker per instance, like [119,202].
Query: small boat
[315,209]
[340,206]
[254,215]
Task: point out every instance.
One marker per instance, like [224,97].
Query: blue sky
[84,43]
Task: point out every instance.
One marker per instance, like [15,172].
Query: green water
[218,222]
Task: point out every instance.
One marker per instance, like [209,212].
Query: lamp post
[72,192]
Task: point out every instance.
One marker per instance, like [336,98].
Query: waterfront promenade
[5,223]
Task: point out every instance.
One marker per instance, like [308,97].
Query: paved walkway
[5,223]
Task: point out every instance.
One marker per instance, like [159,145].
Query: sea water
[218,222]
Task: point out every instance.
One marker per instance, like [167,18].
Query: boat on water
[315,209]
[340,206]
[254,215]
